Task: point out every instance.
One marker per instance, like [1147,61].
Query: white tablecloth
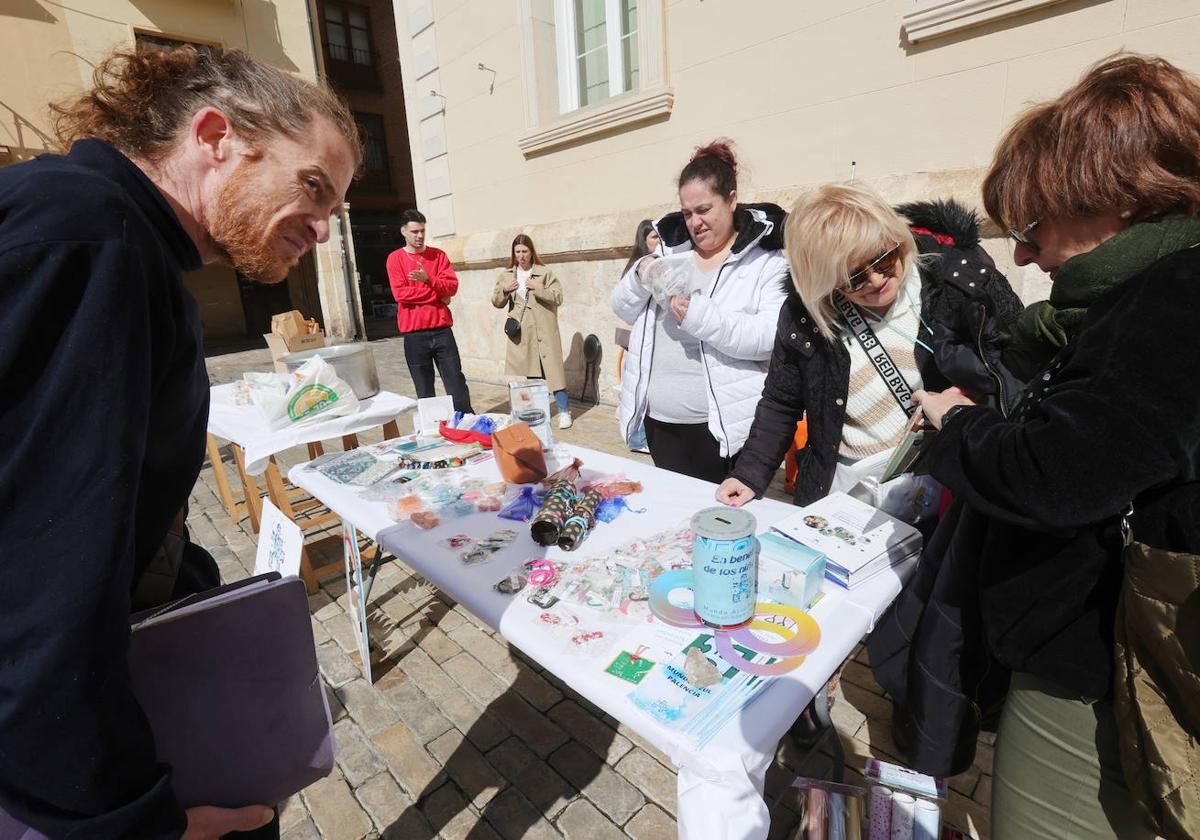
[720,786]
[244,425]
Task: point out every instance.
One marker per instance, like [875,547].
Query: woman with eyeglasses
[1014,605]
[856,339]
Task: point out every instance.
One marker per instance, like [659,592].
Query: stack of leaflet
[699,711]
[858,540]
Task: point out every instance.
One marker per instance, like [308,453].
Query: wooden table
[232,423]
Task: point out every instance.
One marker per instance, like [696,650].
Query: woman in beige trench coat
[532,295]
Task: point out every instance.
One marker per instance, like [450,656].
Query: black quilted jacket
[1024,571]
[810,374]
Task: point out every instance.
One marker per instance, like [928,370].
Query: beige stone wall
[48,49]
[803,87]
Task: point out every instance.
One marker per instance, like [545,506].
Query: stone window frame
[935,18]
[344,8]
[568,61]
[653,99]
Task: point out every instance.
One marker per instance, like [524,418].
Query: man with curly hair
[173,160]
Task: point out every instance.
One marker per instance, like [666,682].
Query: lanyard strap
[889,324]
[875,351]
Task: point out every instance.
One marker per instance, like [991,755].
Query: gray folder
[229,682]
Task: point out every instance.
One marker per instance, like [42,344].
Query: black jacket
[1023,574]
[102,428]
[810,374]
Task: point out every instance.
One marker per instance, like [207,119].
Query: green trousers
[1057,769]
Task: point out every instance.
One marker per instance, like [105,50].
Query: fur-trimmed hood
[946,220]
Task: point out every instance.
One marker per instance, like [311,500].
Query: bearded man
[175,159]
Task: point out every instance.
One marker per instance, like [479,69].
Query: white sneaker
[564,420]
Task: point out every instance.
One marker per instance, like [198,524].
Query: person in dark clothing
[423,282]
[176,159]
[905,273]
[1101,189]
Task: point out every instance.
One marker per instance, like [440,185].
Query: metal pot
[354,364]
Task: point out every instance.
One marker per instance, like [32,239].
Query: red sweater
[420,305]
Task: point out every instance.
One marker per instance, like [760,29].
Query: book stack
[858,541]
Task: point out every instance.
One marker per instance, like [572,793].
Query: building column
[337,282]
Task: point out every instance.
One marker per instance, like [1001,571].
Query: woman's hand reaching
[734,493]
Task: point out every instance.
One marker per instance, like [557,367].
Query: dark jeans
[687,448]
[422,349]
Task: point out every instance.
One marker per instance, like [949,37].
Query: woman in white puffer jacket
[703,321]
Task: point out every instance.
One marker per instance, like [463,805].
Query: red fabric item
[947,498]
[940,238]
[420,305]
[464,435]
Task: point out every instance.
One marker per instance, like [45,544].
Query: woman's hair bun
[721,149]
[715,164]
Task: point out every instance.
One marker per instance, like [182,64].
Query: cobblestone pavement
[464,737]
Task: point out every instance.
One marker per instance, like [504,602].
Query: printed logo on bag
[309,400]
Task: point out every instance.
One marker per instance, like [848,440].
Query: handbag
[1157,684]
[512,327]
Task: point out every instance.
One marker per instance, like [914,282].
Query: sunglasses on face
[884,263]
[1022,236]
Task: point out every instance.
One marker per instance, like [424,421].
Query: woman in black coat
[1101,189]
[907,273]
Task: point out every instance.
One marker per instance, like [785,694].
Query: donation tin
[724,566]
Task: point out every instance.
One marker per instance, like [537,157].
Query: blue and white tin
[724,566]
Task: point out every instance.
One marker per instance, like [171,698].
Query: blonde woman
[866,278]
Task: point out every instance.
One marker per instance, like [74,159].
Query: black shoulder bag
[512,327]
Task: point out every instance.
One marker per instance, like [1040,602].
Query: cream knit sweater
[874,420]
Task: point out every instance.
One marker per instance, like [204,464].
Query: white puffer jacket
[734,320]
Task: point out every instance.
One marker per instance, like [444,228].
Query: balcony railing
[349,74]
[341,52]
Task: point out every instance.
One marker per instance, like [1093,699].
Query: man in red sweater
[423,281]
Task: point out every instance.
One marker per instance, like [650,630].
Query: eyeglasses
[1022,237]
[884,263]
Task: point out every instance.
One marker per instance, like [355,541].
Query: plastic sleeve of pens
[904,809]
[818,814]
[928,820]
[854,818]
[837,816]
[880,813]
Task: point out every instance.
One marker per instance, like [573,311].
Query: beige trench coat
[539,350]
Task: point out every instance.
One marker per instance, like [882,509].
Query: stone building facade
[569,120]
